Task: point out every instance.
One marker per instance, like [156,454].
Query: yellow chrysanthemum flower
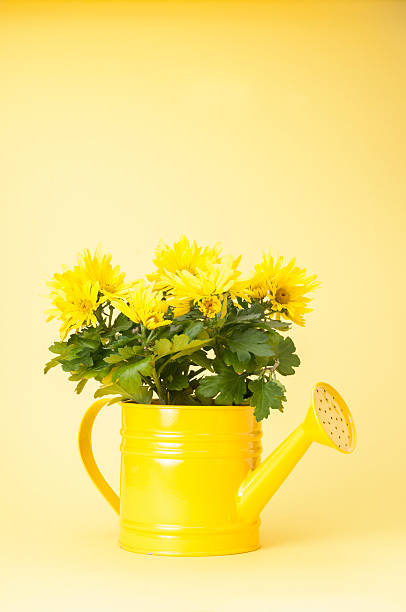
[182,256]
[283,288]
[75,300]
[98,268]
[207,288]
[144,305]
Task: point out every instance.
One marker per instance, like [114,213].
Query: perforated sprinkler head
[329,419]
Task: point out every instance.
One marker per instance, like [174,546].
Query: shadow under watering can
[192,483]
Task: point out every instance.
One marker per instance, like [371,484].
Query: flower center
[259,291]
[282,296]
[85,306]
[210,306]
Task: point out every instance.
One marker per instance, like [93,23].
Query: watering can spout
[328,421]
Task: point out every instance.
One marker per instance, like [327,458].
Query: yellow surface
[269,123]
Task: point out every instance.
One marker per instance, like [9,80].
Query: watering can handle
[86,452]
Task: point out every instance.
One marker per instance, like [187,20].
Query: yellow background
[263,124]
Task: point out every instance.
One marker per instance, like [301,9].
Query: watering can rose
[193,332]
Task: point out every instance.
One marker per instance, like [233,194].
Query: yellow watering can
[191,478]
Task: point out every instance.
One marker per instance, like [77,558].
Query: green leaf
[179,382]
[128,376]
[231,359]
[284,351]
[108,390]
[227,387]
[200,358]
[98,373]
[142,395]
[88,343]
[183,398]
[251,340]
[162,347]
[246,315]
[180,345]
[266,394]
[79,387]
[193,329]
[122,323]
[51,364]
[123,340]
[75,376]
[271,324]
[61,348]
[124,353]
[115,358]
[127,352]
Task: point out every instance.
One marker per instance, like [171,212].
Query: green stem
[159,390]
[110,315]
[100,319]
[150,337]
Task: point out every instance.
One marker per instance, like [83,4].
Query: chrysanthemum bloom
[182,256]
[144,305]
[208,288]
[98,268]
[75,300]
[282,288]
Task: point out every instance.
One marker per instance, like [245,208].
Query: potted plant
[195,354]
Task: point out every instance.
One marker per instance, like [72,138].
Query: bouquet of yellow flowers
[193,332]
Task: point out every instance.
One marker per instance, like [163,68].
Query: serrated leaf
[180,342]
[246,341]
[179,382]
[284,351]
[266,395]
[180,345]
[162,347]
[128,376]
[227,387]
[124,353]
